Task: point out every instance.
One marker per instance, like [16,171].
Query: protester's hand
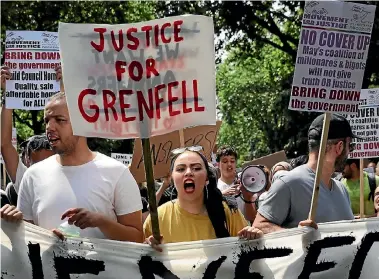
[5,74]
[83,218]
[58,72]
[11,214]
[308,223]
[154,243]
[231,191]
[252,197]
[250,233]
[58,233]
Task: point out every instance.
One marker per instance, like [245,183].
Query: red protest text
[150,104]
[155,35]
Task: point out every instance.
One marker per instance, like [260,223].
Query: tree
[44,16]
[254,96]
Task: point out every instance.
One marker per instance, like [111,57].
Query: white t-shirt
[221,185]
[21,169]
[102,185]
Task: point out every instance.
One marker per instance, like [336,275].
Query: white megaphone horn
[254,179]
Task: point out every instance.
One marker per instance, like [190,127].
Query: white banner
[126,159]
[331,57]
[32,57]
[341,250]
[365,123]
[139,80]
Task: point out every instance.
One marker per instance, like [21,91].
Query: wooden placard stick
[151,188]
[320,164]
[361,190]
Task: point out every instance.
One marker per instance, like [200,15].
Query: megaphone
[254,179]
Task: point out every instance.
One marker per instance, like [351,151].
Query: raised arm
[8,151]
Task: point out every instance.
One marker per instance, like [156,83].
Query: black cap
[339,128]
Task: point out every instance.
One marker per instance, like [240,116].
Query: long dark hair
[213,200]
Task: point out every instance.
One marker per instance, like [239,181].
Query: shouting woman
[200,211]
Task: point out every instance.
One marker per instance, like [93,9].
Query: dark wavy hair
[213,200]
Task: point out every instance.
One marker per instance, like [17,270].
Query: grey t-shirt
[289,200]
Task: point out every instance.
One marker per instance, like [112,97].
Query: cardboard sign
[32,57]
[139,80]
[269,161]
[126,159]
[340,250]
[365,123]
[331,57]
[161,147]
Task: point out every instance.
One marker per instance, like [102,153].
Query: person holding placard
[288,201]
[351,175]
[200,212]
[229,186]
[37,147]
[92,191]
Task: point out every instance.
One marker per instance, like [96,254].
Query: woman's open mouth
[189,187]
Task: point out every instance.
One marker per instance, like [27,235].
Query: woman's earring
[206,190]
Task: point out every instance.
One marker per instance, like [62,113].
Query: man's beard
[340,162]
[347,175]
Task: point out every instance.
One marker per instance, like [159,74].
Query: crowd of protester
[57,178]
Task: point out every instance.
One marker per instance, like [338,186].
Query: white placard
[32,57]
[331,56]
[365,124]
[126,159]
[139,80]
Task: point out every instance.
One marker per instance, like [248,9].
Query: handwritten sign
[161,147]
[126,159]
[343,250]
[139,80]
[331,57]
[365,123]
[32,57]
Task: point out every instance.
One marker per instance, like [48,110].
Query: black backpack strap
[372,183]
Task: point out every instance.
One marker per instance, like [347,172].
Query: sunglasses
[196,148]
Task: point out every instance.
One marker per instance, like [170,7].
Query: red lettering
[195,95]
[119,69]
[177,28]
[131,38]
[184,90]
[150,68]
[295,91]
[120,40]
[163,38]
[171,99]
[109,104]
[142,104]
[135,65]
[158,100]
[156,34]
[147,29]
[99,47]
[86,116]
[124,105]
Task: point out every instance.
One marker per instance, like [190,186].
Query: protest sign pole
[4,176]
[181,137]
[320,164]
[361,190]
[151,188]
